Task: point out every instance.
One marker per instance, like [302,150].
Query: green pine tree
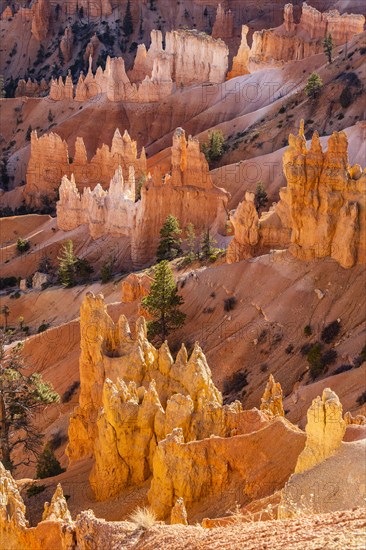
[328,47]
[261,197]
[170,243]
[215,148]
[163,303]
[47,464]
[67,265]
[207,244]
[313,86]
[127,25]
[191,242]
[22,396]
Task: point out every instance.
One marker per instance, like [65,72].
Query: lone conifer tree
[127,25]
[170,243]
[163,303]
[191,242]
[313,85]
[207,244]
[22,395]
[328,47]
[67,265]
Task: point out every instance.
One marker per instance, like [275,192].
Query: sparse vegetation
[22,245]
[236,382]
[261,197]
[21,397]
[328,47]
[34,490]
[307,330]
[330,332]
[230,303]
[47,464]
[67,395]
[143,518]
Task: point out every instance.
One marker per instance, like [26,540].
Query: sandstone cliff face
[322,211]
[188,193]
[49,162]
[56,530]
[324,431]
[190,56]
[7,13]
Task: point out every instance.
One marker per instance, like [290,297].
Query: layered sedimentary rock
[187,193]
[41,19]
[49,161]
[324,431]
[66,44]
[241,60]
[60,90]
[56,530]
[135,287]
[292,41]
[224,23]
[322,211]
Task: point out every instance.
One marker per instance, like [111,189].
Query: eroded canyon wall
[187,192]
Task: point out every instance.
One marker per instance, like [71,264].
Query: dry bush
[143,518]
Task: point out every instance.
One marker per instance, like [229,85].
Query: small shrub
[34,490]
[236,382]
[289,349]
[361,400]
[47,464]
[143,518]
[106,272]
[58,439]
[22,245]
[6,282]
[307,330]
[346,97]
[343,368]
[314,358]
[230,303]
[329,357]
[264,367]
[330,332]
[208,310]
[42,327]
[67,395]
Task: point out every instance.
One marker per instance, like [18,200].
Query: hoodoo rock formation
[189,57]
[49,161]
[41,19]
[56,530]
[66,44]
[188,193]
[324,431]
[322,211]
[30,88]
[133,396]
[291,41]
[224,23]
[241,60]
